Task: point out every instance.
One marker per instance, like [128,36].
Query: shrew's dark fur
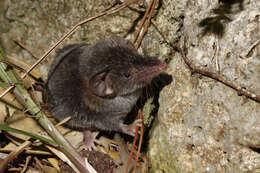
[97,85]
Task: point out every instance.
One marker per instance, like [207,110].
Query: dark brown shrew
[97,85]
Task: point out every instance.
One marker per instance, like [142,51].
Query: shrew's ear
[101,85]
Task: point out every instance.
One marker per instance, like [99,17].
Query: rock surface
[203,125]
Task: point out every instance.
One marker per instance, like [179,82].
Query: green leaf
[34,136]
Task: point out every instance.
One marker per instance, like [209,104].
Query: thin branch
[174,46]
[215,76]
[7,103]
[133,144]
[140,115]
[250,49]
[24,47]
[4,163]
[240,90]
[7,91]
[147,23]
[143,20]
[17,67]
[136,9]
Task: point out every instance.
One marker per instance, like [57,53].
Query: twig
[12,156]
[143,20]
[215,76]
[136,9]
[24,47]
[38,164]
[70,32]
[174,46]
[28,158]
[216,50]
[7,111]
[63,121]
[7,103]
[14,169]
[133,144]
[240,90]
[140,142]
[17,67]
[13,65]
[147,23]
[250,49]
[6,91]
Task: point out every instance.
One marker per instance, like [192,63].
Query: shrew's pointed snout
[147,71]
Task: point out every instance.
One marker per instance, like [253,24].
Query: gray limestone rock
[203,125]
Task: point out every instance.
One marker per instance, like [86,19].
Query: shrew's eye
[126,75]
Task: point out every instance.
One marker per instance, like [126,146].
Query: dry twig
[25,48]
[145,23]
[140,141]
[142,21]
[240,90]
[17,67]
[13,155]
[215,76]
[133,144]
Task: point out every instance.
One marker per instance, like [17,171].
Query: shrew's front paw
[131,128]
